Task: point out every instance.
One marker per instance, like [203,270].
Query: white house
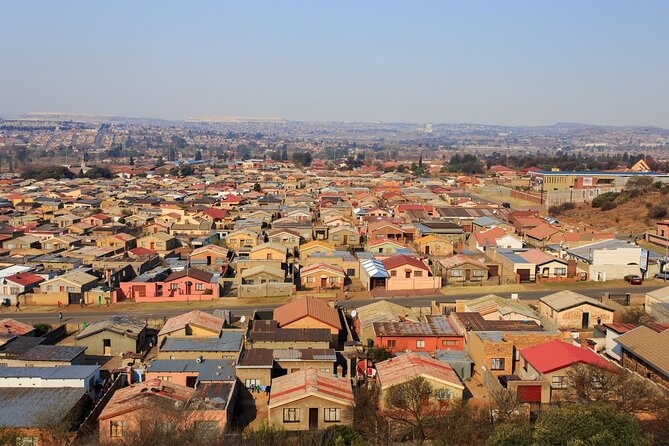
[83,376]
[607,259]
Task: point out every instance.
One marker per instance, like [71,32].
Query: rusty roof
[475,322]
[411,365]
[310,382]
[434,326]
[307,307]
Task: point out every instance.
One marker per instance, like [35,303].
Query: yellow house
[433,245]
[308,312]
[269,251]
[197,324]
[160,242]
[316,247]
[239,239]
[118,242]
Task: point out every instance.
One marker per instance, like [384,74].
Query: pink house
[409,273]
[189,284]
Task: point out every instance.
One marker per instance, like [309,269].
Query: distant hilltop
[235,119]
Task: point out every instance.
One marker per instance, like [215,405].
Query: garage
[529,394]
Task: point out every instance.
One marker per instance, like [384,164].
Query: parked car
[634,279]
[662,275]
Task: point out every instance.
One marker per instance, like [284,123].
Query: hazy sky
[496,62]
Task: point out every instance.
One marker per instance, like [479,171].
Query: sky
[489,62]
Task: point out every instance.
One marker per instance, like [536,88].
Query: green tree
[160,162]
[366,417]
[198,155]
[511,434]
[588,425]
[302,159]
[132,161]
[256,187]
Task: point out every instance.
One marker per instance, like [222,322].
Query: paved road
[77,315]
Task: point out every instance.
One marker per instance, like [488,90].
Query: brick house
[431,334]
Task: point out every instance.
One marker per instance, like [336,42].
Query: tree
[97,172]
[636,316]
[463,424]
[588,425]
[160,162]
[302,159]
[132,161]
[408,404]
[256,187]
[198,155]
[186,170]
[511,434]
[366,417]
[618,388]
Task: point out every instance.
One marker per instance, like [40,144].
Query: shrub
[657,212]
[41,329]
[604,198]
[608,205]
[559,209]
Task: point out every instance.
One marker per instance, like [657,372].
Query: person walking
[18,305]
[60,316]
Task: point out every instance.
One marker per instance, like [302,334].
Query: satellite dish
[242,319]
[354,313]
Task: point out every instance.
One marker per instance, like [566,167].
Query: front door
[313,418]
[346,239]
[106,347]
[585,320]
[191,381]
[468,275]
[324,282]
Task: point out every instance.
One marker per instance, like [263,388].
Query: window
[350,272]
[420,343]
[478,272]
[456,273]
[310,280]
[449,342]
[407,274]
[26,441]
[392,343]
[174,286]
[497,363]
[393,273]
[331,414]
[334,279]
[560,271]
[418,273]
[291,415]
[443,394]
[199,286]
[335,238]
[14,290]
[165,378]
[49,287]
[251,383]
[118,429]
[559,382]
[353,238]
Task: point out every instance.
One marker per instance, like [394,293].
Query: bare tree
[366,417]
[619,387]
[408,404]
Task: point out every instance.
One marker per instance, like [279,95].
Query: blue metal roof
[207,370]
[228,342]
[374,268]
[62,372]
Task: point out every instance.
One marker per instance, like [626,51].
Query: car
[662,275]
[506,205]
[634,279]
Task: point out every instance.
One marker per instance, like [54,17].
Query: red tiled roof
[556,355]
[197,318]
[489,237]
[402,259]
[139,252]
[307,307]
[410,365]
[309,382]
[12,327]
[215,213]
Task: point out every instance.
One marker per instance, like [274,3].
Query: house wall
[631,362]
[309,322]
[262,254]
[288,344]
[119,343]
[173,377]
[276,413]
[189,331]
[572,317]
[432,343]
[264,374]
[400,282]
[295,366]
[482,351]
[456,389]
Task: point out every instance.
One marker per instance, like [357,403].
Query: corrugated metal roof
[63,372]
[228,342]
[566,299]
[29,407]
[648,345]
[208,369]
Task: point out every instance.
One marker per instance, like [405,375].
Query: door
[529,394]
[427,249]
[190,381]
[524,275]
[585,320]
[468,275]
[346,239]
[313,418]
[324,282]
[106,347]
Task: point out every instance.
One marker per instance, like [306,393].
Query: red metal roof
[556,355]
[25,279]
[402,259]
